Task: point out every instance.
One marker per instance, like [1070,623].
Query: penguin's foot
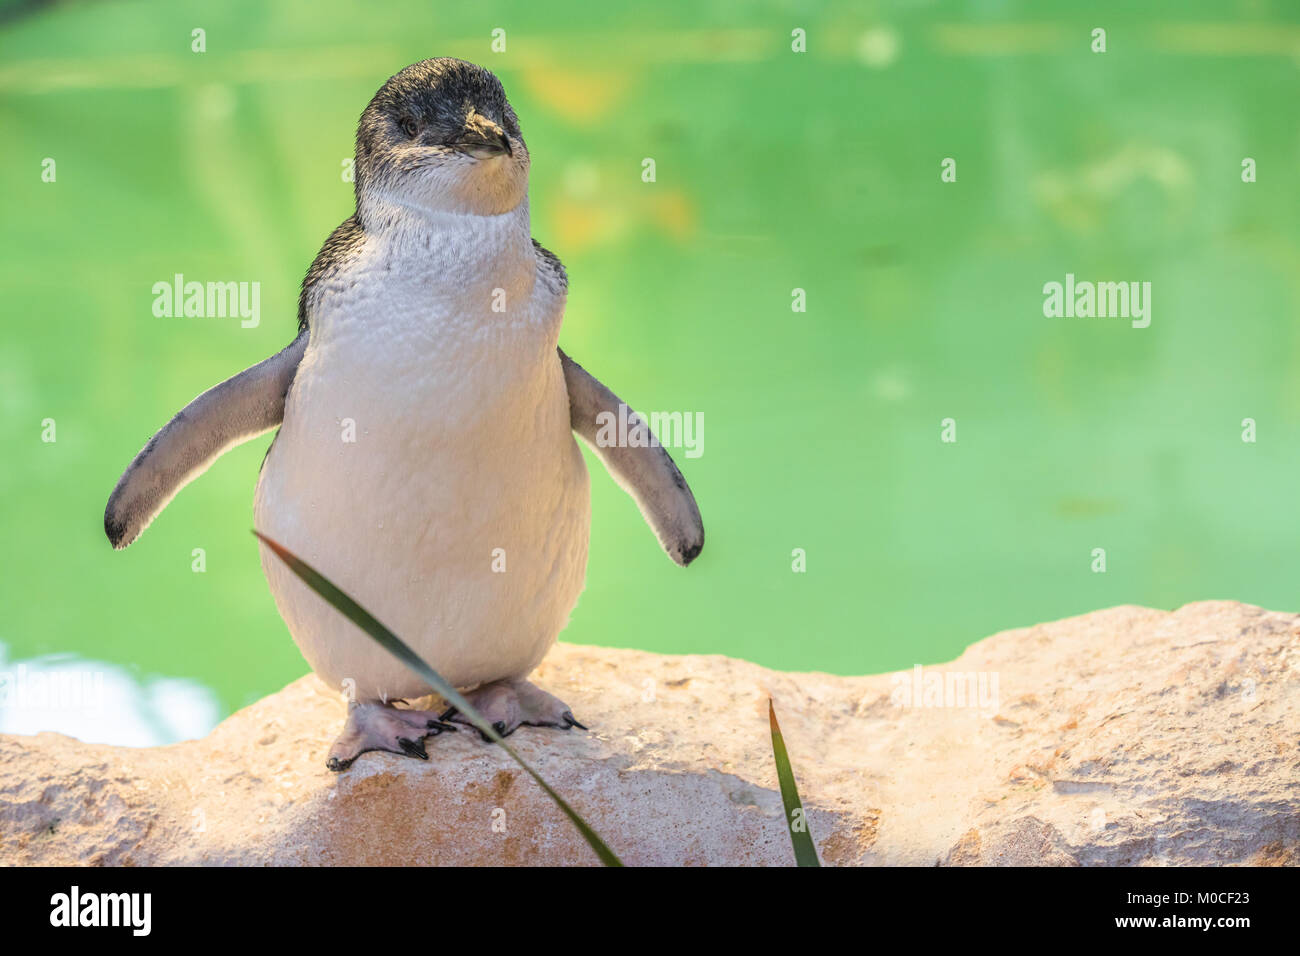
[508,704]
[374,725]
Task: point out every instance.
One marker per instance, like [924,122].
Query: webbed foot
[509,704]
[374,725]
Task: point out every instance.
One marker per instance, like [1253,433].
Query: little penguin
[425,460]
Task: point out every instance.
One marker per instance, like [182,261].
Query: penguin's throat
[406,226]
[378,206]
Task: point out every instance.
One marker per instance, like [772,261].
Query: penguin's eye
[410,127]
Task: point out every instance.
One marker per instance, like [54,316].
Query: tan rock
[1126,736]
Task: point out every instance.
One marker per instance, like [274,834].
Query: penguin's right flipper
[225,415]
[648,474]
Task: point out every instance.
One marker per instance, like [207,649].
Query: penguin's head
[440,135]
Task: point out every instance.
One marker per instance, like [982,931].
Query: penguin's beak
[483,138]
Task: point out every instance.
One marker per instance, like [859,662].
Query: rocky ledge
[1123,737]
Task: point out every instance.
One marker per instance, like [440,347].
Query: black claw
[448,714]
[337,765]
[436,727]
[571,721]
[413,748]
[499,726]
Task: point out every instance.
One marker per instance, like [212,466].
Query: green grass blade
[398,648]
[805,853]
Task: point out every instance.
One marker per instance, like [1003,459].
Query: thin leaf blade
[796,821]
[386,639]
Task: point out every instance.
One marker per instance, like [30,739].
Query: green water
[774,171]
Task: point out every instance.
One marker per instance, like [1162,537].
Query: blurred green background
[776,170]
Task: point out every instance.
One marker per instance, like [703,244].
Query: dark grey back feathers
[339,247]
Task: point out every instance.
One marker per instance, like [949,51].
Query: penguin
[425,459]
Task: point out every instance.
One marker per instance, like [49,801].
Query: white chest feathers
[426,463]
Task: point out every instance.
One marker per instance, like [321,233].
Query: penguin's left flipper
[648,474]
[226,415]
